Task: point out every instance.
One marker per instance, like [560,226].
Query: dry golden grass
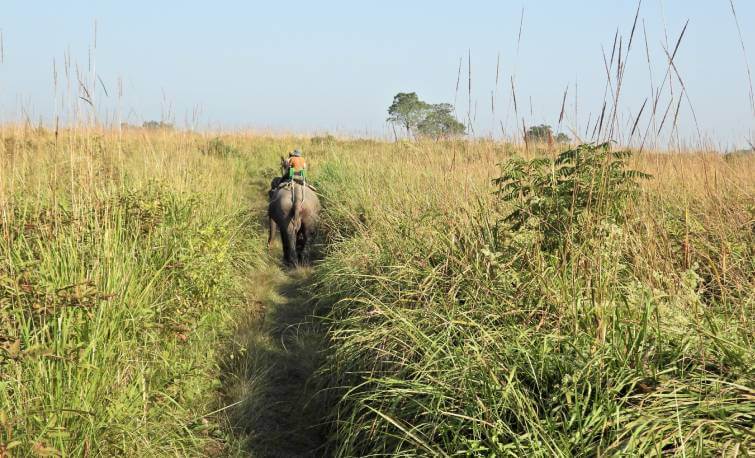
[163,226]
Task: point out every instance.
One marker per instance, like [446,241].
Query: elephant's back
[282,200]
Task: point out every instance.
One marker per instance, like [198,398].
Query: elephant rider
[294,168]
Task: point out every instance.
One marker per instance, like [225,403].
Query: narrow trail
[267,373]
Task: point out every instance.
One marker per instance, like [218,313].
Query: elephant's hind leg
[288,239]
[271,233]
[301,245]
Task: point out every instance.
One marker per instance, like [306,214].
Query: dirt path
[277,351]
[269,364]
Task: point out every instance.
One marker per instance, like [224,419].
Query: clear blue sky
[335,65]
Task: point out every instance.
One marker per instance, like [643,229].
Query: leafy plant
[552,195]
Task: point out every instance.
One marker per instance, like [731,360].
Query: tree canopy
[439,122]
[157,125]
[544,133]
[407,110]
[436,120]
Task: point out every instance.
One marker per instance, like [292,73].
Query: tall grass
[133,314]
[454,332]
[122,263]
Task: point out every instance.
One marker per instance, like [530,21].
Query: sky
[334,66]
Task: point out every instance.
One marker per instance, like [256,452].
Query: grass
[123,264]
[268,372]
[140,315]
[453,333]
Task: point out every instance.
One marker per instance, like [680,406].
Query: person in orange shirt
[295,165]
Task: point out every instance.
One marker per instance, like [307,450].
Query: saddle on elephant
[283,184]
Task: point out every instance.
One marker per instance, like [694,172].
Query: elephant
[294,209]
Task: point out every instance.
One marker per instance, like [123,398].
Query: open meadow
[459,301]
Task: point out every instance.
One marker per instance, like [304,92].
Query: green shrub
[551,196]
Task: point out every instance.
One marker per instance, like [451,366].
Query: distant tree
[544,133]
[740,153]
[407,111]
[157,125]
[539,133]
[439,122]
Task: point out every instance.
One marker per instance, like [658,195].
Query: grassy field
[582,332]
[124,262]
[140,315]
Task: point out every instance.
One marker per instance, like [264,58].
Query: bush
[552,196]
